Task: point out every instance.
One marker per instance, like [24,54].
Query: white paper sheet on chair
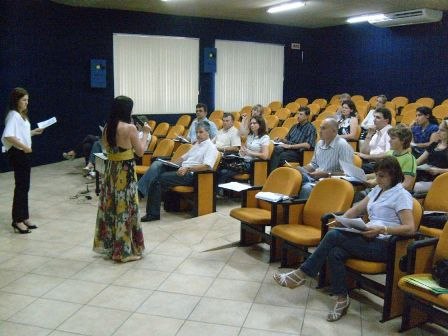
[235,186]
[270,196]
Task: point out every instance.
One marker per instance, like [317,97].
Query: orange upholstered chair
[420,305]
[184,120]
[304,222]
[259,171]
[255,214]
[164,149]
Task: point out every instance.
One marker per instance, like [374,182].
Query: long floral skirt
[118,233]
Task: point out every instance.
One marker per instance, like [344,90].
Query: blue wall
[47,47]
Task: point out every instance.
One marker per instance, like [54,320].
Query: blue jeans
[336,247]
[308,184]
[152,174]
[96,148]
[167,180]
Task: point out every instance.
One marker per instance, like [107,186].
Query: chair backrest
[293,107]
[176,130]
[283,113]
[321,101]
[440,111]
[216,114]
[357,161]
[164,148]
[184,120]
[392,108]
[275,105]
[218,160]
[323,200]
[161,129]
[218,122]
[444,102]
[324,115]
[152,124]
[334,100]
[417,212]
[357,98]
[362,107]
[236,116]
[266,110]
[152,144]
[181,150]
[426,101]
[283,180]
[302,101]
[289,122]
[436,197]
[247,110]
[400,101]
[442,245]
[271,121]
[314,109]
[332,108]
[410,108]
[372,100]
[278,132]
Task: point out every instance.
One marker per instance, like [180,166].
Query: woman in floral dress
[118,233]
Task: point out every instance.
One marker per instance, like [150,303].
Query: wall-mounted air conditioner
[410,17]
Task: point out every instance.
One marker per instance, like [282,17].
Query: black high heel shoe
[30,226]
[17,229]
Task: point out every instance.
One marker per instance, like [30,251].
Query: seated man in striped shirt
[329,150]
[301,136]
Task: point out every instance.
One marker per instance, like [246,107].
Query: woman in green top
[400,143]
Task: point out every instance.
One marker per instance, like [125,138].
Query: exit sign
[295,46]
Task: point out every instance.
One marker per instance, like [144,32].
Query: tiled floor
[51,283]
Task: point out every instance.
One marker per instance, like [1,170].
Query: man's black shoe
[149,218]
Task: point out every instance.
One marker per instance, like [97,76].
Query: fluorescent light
[364,18]
[285,7]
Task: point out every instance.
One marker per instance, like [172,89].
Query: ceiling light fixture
[285,7]
[365,18]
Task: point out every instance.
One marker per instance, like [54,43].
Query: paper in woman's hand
[350,224]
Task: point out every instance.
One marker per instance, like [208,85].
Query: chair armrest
[325,219]
[248,196]
[420,255]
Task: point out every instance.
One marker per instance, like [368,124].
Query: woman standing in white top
[16,139]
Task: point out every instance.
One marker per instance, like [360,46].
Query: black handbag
[440,272]
[435,220]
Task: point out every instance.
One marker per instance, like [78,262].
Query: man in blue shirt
[201,115]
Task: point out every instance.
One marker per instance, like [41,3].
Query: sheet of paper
[101,128]
[424,166]
[168,163]
[353,171]
[182,139]
[428,212]
[276,142]
[46,123]
[235,186]
[270,196]
[353,223]
[101,156]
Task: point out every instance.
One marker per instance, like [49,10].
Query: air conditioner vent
[410,17]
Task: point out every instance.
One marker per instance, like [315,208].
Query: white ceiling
[315,14]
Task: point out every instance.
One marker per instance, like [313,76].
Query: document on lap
[46,123]
[424,166]
[350,224]
[352,172]
[181,139]
[169,163]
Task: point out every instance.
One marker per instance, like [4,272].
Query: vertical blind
[160,73]
[248,73]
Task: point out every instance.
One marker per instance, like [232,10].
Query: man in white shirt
[228,139]
[377,142]
[368,121]
[201,157]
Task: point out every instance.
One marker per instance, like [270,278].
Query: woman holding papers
[389,208]
[118,233]
[16,140]
[256,147]
[434,160]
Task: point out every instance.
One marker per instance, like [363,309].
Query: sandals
[339,310]
[291,279]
